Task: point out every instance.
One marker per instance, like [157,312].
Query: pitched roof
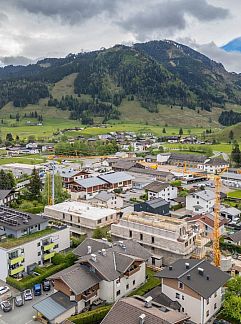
[217,161]
[4,193]
[152,172]
[90,182]
[96,245]
[159,297]
[204,284]
[157,202]
[207,219]
[188,157]
[131,248]
[104,195]
[128,310]
[235,237]
[116,177]
[72,275]
[205,194]
[54,305]
[157,186]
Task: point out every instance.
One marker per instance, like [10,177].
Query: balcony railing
[49,246]
[131,272]
[48,256]
[88,295]
[16,270]
[16,260]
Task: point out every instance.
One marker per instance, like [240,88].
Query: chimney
[187,265]
[93,257]
[201,271]
[170,268]
[89,249]
[188,277]
[148,301]
[142,319]
[104,252]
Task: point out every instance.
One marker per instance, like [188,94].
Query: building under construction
[168,239]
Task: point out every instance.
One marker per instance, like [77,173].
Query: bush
[64,258]
[91,317]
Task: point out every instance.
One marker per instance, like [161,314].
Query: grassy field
[234,194]
[225,148]
[28,159]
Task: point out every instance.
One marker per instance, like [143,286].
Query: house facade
[162,190]
[201,202]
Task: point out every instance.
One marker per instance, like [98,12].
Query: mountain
[152,73]
[233,46]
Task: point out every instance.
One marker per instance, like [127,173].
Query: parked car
[19,301]
[46,285]
[28,295]
[6,306]
[37,289]
[4,289]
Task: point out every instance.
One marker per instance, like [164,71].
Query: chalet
[201,202]
[7,196]
[162,190]
[70,175]
[197,285]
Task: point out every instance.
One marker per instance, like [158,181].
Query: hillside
[157,82]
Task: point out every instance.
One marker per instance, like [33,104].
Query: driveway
[23,314]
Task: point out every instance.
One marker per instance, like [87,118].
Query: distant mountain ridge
[155,72]
[233,46]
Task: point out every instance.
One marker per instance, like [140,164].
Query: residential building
[7,196]
[69,175]
[134,310]
[154,206]
[155,174]
[234,238]
[107,276]
[197,285]
[20,256]
[107,199]
[201,201]
[88,188]
[232,214]
[82,218]
[214,165]
[163,190]
[168,239]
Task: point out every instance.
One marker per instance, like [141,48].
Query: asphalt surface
[23,314]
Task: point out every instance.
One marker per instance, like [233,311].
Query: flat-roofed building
[81,217]
[168,239]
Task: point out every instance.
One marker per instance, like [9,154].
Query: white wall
[166,194]
[192,200]
[4,264]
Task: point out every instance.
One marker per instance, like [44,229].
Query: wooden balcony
[89,294]
[131,272]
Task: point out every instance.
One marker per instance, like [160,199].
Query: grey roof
[128,310]
[4,193]
[157,186]
[124,165]
[231,211]
[231,176]
[205,285]
[205,194]
[235,237]
[109,266]
[157,202]
[159,297]
[68,173]
[18,217]
[54,305]
[152,172]
[90,182]
[116,177]
[217,161]
[96,245]
[104,196]
[78,278]
[188,157]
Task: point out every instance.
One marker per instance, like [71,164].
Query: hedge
[230,247]
[92,317]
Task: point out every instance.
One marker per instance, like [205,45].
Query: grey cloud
[16,60]
[69,11]
[231,61]
[170,16]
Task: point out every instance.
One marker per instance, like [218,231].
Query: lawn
[234,194]
[151,283]
[9,243]
[28,159]
[225,148]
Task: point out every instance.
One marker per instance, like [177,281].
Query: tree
[232,304]
[35,185]
[101,232]
[164,130]
[7,180]
[180,131]
[231,135]
[9,137]
[60,194]
[236,154]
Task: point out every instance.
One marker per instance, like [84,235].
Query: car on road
[28,295]
[46,285]
[19,301]
[4,289]
[6,306]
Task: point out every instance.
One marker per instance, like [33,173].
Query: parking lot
[23,314]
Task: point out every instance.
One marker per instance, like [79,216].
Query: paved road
[23,314]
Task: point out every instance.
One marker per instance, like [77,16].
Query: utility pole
[53,169]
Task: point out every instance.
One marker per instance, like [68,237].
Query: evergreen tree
[180,131]
[231,135]
[9,137]
[236,154]
[7,180]
[164,131]
[35,186]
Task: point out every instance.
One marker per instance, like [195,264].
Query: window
[215,306]
[183,297]
[118,293]
[71,218]
[215,294]
[127,287]
[99,221]
[180,285]
[141,237]
[152,239]
[130,233]
[177,296]
[134,282]
[39,253]
[207,301]
[182,309]
[207,313]
[38,244]
[39,263]
[63,216]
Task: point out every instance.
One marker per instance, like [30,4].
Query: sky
[53,28]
